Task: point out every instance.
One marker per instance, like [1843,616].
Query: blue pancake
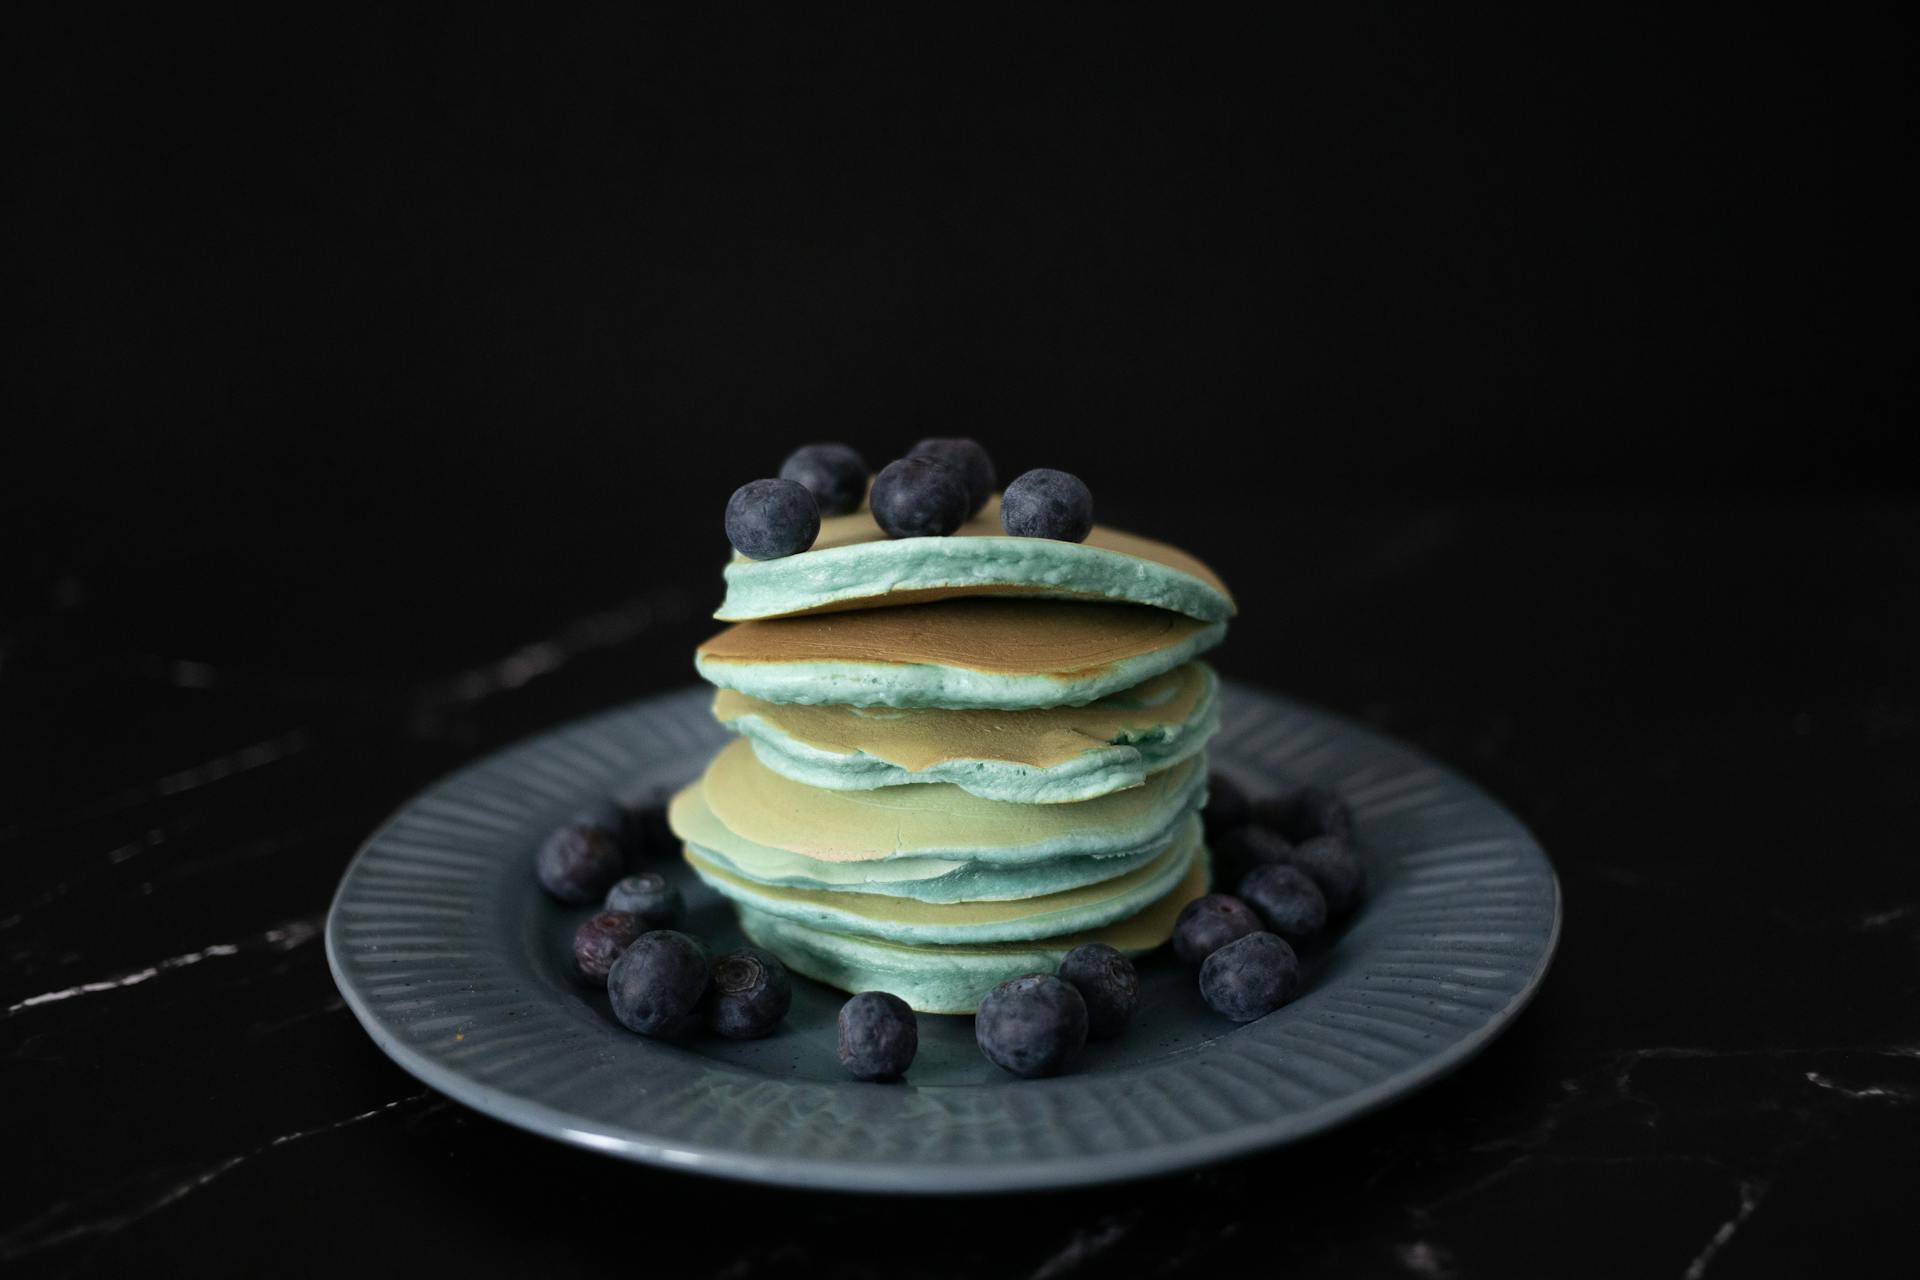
[1056,755]
[952,979]
[932,843]
[956,654]
[907,921]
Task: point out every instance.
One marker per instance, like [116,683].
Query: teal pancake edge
[913,685]
[1037,566]
[817,914]
[1098,771]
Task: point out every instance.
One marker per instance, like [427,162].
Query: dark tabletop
[382,381]
[1706,712]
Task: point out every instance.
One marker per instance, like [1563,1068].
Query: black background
[377,387]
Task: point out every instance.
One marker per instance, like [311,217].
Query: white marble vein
[1613,1079]
[1750,1196]
[1083,1247]
[253,756]
[1863,1093]
[1424,1258]
[541,657]
[281,938]
[67,1222]
[1881,919]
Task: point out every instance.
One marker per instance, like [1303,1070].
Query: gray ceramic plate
[456,963]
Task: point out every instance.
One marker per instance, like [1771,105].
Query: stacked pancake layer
[933,796]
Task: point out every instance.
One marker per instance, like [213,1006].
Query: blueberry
[748,994]
[767,519]
[1320,812]
[1251,846]
[1227,806]
[834,473]
[598,942]
[1288,900]
[1044,503]
[1308,812]
[578,863]
[878,1036]
[627,825]
[1032,1025]
[1207,924]
[1106,980]
[969,459]
[1251,977]
[919,498]
[650,896]
[1335,867]
[1275,813]
[656,983]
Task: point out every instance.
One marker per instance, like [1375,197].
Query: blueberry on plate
[1031,1025]
[919,497]
[598,942]
[1287,900]
[748,992]
[969,459]
[1308,812]
[1251,977]
[1253,845]
[1227,806]
[1044,503]
[835,474]
[617,820]
[656,984]
[878,1036]
[651,897]
[578,863]
[1321,812]
[1106,980]
[1336,868]
[1207,924]
[768,519]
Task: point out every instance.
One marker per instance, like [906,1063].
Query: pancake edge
[817,914]
[1122,763]
[923,685]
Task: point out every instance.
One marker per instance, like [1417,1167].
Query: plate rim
[921,1178]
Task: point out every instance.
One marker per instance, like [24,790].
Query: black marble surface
[369,370]
[1706,709]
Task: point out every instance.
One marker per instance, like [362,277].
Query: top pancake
[854,565]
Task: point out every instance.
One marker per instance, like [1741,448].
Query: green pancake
[972,851]
[952,979]
[854,565]
[955,654]
[914,923]
[921,879]
[1056,755]
[938,820]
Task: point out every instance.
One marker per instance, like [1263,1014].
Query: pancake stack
[957,757]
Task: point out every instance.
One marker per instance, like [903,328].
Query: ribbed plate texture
[456,963]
